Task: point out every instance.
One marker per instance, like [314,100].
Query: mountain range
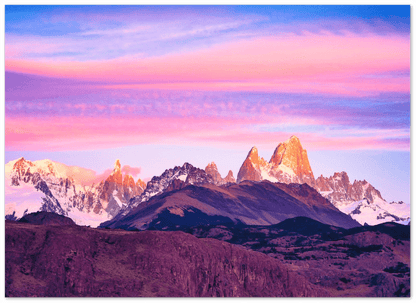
[50,186]
[264,193]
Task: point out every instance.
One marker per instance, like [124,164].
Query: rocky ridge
[361,200]
[171,179]
[211,169]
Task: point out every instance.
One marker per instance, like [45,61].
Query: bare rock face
[252,166]
[116,192]
[290,154]
[212,170]
[338,189]
[176,184]
[141,184]
[65,261]
[229,178]
[288,164]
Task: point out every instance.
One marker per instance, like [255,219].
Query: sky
[157,86]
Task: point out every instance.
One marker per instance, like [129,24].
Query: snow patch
[377,212]
[265,176]
[88,219]
[118,201]
[326,193]
[287,170]
[348,207]
[18,199]
[183,177]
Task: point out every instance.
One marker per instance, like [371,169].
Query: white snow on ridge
[287,170]
[80,175]
[19,199]
[87,219]
[348,207]
[8,168]
[183,177]
[115,193]
[326,193]
[265,176]
[400,210]
[377,212]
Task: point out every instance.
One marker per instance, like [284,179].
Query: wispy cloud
[127,76]
[94,133]
[315,63]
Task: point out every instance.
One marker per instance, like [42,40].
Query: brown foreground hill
[296,257]
[58,261]
[366,261]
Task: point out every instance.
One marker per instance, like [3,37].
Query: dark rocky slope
[61,261]
[46,218]
[250,203]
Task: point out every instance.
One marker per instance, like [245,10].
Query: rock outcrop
[252,167]
[116,192]
[211,169]
[338,189]
[291,156]
[229,178]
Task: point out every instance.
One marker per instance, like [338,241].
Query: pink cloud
[313,141]
[285,63]
[101,177]
[88,177]
[133,171]
[90,133]
[94,133]
[342,86]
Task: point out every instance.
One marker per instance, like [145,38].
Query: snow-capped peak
[52,186]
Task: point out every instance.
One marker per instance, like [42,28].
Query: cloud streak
[316,63]
[96,133]
[136,75]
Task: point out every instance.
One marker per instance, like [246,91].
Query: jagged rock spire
[288,164]
[117,166]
